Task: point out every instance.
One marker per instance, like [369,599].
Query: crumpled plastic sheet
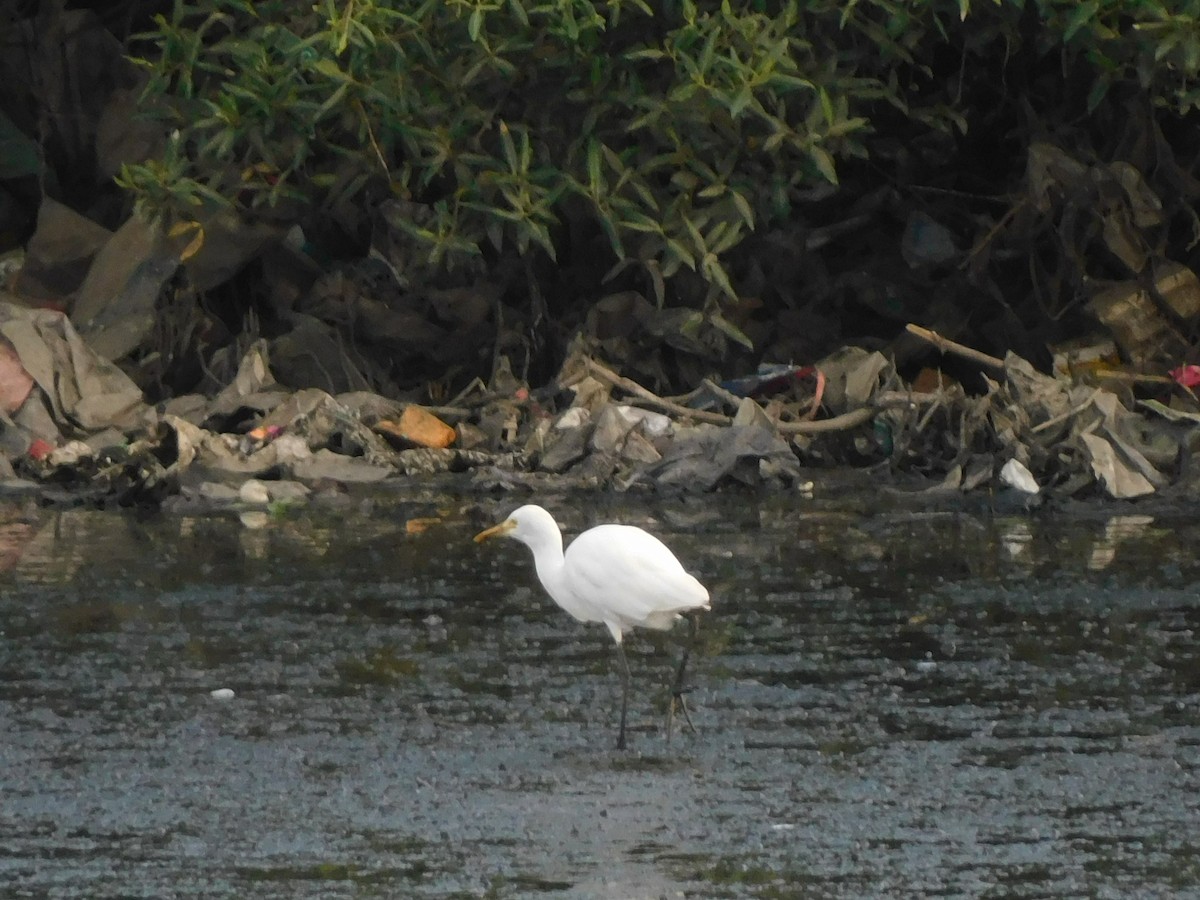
[700,460]
[83,391]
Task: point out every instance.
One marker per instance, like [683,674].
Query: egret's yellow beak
[496,531]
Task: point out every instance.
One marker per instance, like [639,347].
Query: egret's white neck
[547,547]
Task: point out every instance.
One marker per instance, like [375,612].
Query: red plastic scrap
[818,395]
[1188,376]
[15,382]
[40,449]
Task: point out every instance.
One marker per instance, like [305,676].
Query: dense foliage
[663,133]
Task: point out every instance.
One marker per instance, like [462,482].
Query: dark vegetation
[696,187]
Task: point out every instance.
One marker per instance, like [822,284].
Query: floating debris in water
[254,519]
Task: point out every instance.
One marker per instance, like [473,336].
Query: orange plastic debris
[930,381]
[419,426]
[419,526]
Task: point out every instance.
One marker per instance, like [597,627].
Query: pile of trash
[294,346]
[76,429]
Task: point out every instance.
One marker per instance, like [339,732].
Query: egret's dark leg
[624,693]
[679,689]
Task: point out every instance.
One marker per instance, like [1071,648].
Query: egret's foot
[679,688]
[677,697]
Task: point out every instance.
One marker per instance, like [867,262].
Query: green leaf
[647,53]
[518,10]
[645,194]
[744,209]
[712,270]
[771,144]
[656,279]
[611,232]
[824,163]
[707,54]
[730,330]
[680,253]
[729,238]
[682,93]
[1083,14]
[647,120]
[741,100]
[539,233]
[330,69]
[335,99]
[509,148]
[713,238]
[847,10]
[826,106]
[636,221]
[789,83]
[847,126]
[526,151]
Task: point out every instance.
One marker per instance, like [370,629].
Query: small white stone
[575,417]
[222,694]
[70,454]
[1017,476]
[254,491]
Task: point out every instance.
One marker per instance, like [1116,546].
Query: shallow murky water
[890,704]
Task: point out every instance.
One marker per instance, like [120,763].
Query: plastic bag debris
[1016,475]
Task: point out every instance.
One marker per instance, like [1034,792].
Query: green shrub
[674,128]
[673,132]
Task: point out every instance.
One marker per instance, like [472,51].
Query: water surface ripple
[890,702]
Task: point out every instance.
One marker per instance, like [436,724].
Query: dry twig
[948,346]
[1062,417]
[649,397]
[844,422]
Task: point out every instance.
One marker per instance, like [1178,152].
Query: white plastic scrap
[1017,476]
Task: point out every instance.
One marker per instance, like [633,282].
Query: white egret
[616,574]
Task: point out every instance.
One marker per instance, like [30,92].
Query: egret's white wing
[625,574]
